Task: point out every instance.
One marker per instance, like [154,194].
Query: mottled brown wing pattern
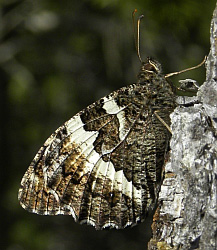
[103,166]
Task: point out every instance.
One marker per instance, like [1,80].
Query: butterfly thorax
[158,92]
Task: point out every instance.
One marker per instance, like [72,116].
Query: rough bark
[187,214]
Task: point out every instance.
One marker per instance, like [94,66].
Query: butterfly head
[149,69]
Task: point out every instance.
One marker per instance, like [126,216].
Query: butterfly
[104,165]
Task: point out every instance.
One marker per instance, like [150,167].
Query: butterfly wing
[102,166]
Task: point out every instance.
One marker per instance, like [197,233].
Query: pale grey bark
[187,214]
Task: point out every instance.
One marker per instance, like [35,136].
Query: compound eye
[150,67]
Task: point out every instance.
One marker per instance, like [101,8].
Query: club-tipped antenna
[137,37]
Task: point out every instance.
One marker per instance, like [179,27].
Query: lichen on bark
[186,217]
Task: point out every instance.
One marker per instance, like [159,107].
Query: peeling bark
[187,213]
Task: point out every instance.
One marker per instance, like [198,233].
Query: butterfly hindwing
[103,166]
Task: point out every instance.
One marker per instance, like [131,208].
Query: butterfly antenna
[134,28]
[137,38]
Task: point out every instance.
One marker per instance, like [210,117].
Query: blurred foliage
[56,57]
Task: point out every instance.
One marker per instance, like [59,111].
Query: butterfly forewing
[103,166]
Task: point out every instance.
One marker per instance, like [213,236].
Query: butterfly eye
[150,67]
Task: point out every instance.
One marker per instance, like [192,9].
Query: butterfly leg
[162,121]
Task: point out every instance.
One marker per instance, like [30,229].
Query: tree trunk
[186,217]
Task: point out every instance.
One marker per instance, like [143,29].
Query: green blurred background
[56,57]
